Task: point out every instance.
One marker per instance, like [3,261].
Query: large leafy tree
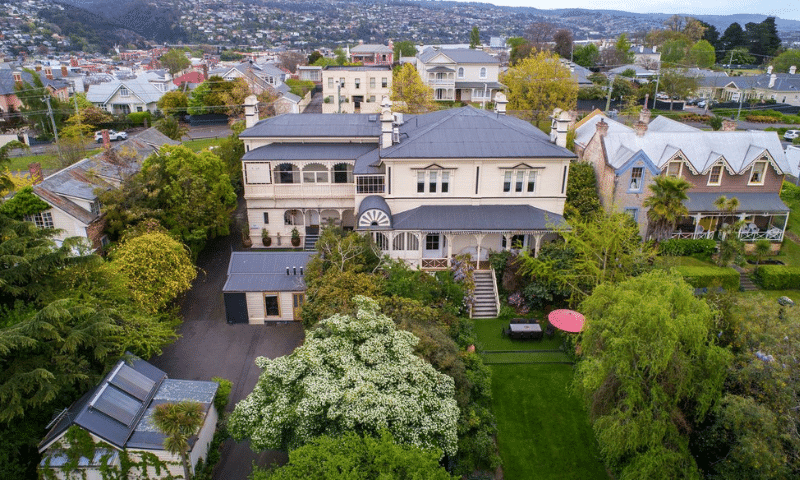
[539,84]
[362,458]
[157,266]
[219,96]
[189,193]
[786,59]
[409,92]
[175,60]
[353,374]
[178,422]
[474,37]
[676,83]
[405,48]
[586,55]
[701,54]
[665,205]
[173,103]
[762,38]
[732,37]
[563,43]
[33,96]
[650,370]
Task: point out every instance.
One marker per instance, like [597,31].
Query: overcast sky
[787,9]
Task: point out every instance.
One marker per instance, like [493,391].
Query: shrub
[138,118]
[703,277]
[681,247]
[221,399]
[778,277]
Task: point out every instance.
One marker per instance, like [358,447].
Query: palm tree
[665,205]
[179,421]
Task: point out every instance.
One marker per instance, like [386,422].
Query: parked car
[702,103]
[791,134]
[113,136]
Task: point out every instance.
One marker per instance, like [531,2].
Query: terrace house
[369,54]
[746,165]
[355,89]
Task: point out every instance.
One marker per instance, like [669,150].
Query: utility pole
[53,122]
[610,87]
[658,77]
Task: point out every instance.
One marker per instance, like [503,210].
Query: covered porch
[763,216]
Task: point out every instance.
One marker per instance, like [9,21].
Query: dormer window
[715,175]
[636,179]
[674,168]
[757,173]
[123,92]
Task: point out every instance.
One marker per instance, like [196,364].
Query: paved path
[210,347]
[315,106]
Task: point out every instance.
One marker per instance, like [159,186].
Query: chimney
[38,68]
[772,79]
[728,125]
[250,111]
[17,77]
[601,128]
[640,127]
[654,48]
[644,115]
[287,270]
[769,70]
[64,71]
[106,140]
[562,126]
[48,73]
[792,69]
[500,101]
[387,121]
[35,170]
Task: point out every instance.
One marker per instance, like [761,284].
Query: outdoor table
[525,330]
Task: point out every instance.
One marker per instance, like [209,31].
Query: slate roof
[442,218]
[80,179]
[7,80]
[370,48]
[640,70]
[471,133]
[751,202]
[316,125]
[266,272]
[309,151]
[138,87]
[459,55]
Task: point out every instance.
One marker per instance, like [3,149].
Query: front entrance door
[297,302]
[313,218]
[458,94]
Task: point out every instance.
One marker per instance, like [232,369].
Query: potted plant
[246,241]
[295,237]
[265,237]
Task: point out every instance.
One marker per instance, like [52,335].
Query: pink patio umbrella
[566,320]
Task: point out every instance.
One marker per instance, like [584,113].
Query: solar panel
[132,382]
[118,405]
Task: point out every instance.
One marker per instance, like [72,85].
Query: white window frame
[41,219]
[384,82]
[330,83]
[760,181]
[460,72]
[719,176]
[680,168]
[482,72]
[518,182]
[124,92]
[639,180]
[434,181]
[371,82]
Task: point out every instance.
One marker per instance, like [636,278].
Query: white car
[113,136]
[791,134]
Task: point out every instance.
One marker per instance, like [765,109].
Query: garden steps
[746,283]
[485,305]
[310,242]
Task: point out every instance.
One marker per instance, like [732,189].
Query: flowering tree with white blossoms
[355,374]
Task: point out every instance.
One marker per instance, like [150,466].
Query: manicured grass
[667,261]
[542,430]
[490,337]
[202,143]
[790,252]
[49,160]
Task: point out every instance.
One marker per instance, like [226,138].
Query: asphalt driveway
[210,347]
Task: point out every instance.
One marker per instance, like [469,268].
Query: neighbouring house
[75,209]
[459,74]
[265,286]
[648,57]
[425,187]
[747,165]
[779,87]
[310,73]
[10,78]
[260,77]
[355,89]
[121,97]
[161,79]
[117,416]
[370,54]
[191,78]
[640,73]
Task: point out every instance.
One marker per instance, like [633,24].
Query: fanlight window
[374,218]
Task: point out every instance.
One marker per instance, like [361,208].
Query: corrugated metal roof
[471,133]
[664,124]
[139,87]
[310,151]
[370,48]
[793,159]
[489,85]
[316,125]
[359,68]
[587,127]
[748,202]
[266,272]
[368,164]
[438,218]
[459,55]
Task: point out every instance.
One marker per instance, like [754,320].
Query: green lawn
[671,261]
[49,160]
[490,337]
[542,431]
[202,143]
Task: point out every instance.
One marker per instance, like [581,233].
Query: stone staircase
[310,242]
[485,305]
[746,284]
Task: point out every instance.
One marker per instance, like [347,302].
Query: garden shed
[265,286]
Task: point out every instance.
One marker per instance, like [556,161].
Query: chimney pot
[294,270]
[644,115]
[287,270]
[728,125]
[640,127]
[602,128]
[769,70]
[301,271]
[35,170]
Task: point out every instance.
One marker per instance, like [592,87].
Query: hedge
[137,118]
[703,277]
[778,277]
[682,247]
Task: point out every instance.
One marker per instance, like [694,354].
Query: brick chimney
[644,115]
[562,122]
[601,128]
[728,125]
[64,71]
[640,127]
[38,68]
[106,140]
[35,169]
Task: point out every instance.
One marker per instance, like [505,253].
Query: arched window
[460,72]
[290,217]
[342,173]
[483,72]
[287,173]
[315,173]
